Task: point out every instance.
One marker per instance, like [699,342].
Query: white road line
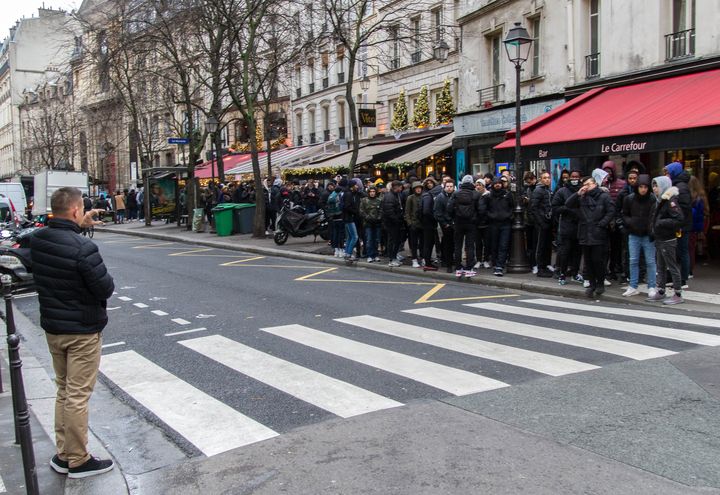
[536,361]
[27,294]
[602,344]
[140,305]
[182,406]
[2,486]
[125,298]
[180,321]
[114,344]
[338,397]
[653,315]
[455,381]
[116,307]
[620,326]
[158,312]
[185,331]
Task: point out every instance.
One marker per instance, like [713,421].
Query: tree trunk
[352,108]
[219,158]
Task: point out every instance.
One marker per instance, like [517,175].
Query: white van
[16,193]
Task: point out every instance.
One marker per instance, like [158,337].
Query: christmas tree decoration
[400,117]
[421,116]
[445,107]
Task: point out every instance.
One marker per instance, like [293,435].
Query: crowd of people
[602,227]
[125,205]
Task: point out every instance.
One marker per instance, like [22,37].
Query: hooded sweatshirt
[636,209]
[615,184]
[599,175]
[667,217]
[680,179]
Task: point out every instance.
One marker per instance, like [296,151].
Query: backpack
[334,204]
[464,207]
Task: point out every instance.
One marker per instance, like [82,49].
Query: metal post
[519,262]
[213,156]
[23,433]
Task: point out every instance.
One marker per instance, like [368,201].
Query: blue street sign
[177,140]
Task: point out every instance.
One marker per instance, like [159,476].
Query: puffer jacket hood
[610,165]
[663,183]
[670,192]
[674,169]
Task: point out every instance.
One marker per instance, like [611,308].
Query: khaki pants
[76,359]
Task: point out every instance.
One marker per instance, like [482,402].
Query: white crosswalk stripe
[620,326]
[455,381]
[652,315]
[601,344]
[180,405]
[537,361]
[340,398]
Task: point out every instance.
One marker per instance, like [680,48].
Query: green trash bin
[244,218]
[223,214]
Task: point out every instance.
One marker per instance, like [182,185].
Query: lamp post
[211,126]
[441,50]
[517,44]
[365,83]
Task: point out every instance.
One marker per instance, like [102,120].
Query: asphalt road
[190,327]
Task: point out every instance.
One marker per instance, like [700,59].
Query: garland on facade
[421,115]
[400,117]
[445,107]
[397,165]
[291,172]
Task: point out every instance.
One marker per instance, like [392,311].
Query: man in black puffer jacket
[568,252]
[541,210]
[499,205]
[73,286]
[464,209]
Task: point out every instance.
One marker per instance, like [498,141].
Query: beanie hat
[343,182]
[643,180]
[468,179]
[599,176]
[674,169]
[417,183]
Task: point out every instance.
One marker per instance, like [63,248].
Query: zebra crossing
[486,340]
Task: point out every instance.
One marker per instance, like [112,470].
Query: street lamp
[211,126]
[517,44]
[441,50]
[365,83]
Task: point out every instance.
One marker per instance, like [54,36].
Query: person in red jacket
[615,185]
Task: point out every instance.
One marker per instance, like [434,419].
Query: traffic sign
[177,140]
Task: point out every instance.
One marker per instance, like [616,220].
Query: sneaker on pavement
[470,273]
[535,270]
[691,276]
[58,465]
[91,467]
[631,292]
[589,292]
[394,263]
[459,272]
[586,283]
[376,259]
[477,265]
[657,296]
[486,264]
[578,278]
[600,290]
[370,260]
[607,283]
[551,268]
[652,292]
[498,272]
[672,300]
[415,263]
[685,286]
[400,257]
[430,268]
[544,273]
[561,280]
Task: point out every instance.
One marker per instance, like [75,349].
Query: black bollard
[22,416]
[6,281]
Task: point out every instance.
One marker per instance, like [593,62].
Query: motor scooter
[292,220]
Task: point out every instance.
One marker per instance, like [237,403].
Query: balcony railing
[326,135]
[341,77]
[491,95]
[592,66]
[312,138]
[298,92]
[680,44]
[326,82]
[395,63]
[341,133]
[311,88]
[415,57]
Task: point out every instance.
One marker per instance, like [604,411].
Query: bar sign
[367,117]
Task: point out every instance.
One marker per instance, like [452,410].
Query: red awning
[689,101]
[204,170]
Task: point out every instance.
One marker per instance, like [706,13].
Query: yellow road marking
[306,277]
[278,266]
[203,250]
[232,263]
[190,253]
[379,282]
[156,245]
[430,293]
[426,299]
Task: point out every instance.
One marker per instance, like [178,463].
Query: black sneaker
[58,465]
[590,292]
[600,290]
[91,467]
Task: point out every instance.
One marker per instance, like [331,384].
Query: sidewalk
[704,293]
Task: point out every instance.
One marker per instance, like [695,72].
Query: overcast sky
[12,10]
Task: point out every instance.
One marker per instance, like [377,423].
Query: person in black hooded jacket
[73,287]
[636,211]
[680,179]
[499,206]
[464,209]
[568,248]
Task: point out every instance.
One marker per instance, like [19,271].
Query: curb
[575,293]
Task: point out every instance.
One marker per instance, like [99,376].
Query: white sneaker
[267,232]
[376,259]
[652,293]
[686,286]
[477,265]
[551,268]
[415,263]
[486,264]
[631,292]
[400,257]
[535,270]
[586,283]
[370,260]
[607,283]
